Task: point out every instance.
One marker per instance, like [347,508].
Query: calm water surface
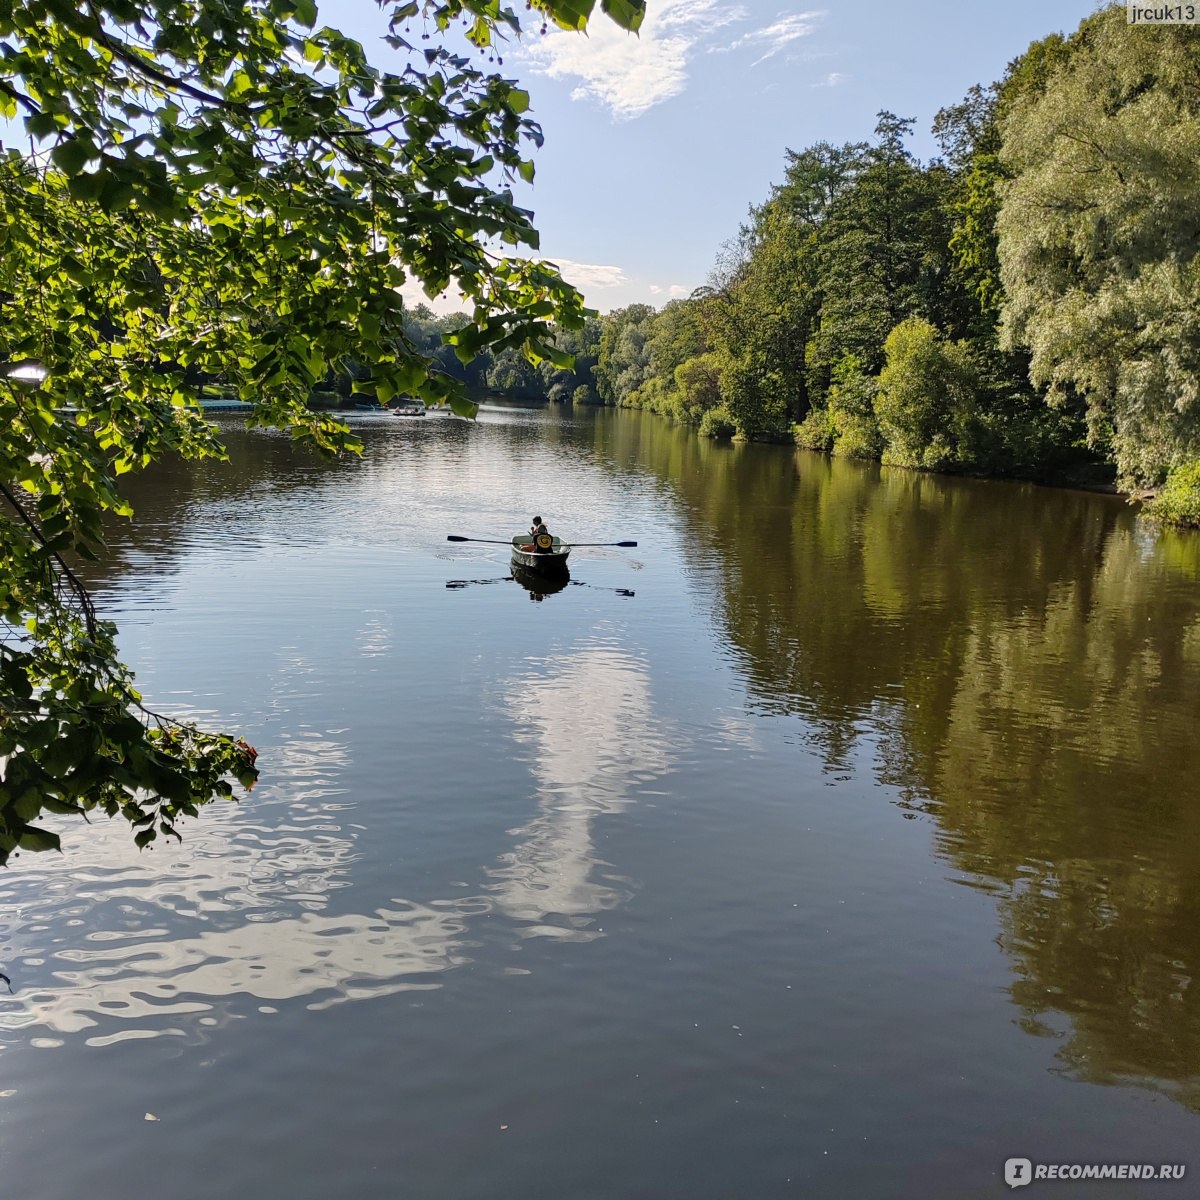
[855,851]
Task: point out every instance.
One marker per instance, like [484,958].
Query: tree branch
[81,592]
[138,63]
[20,97]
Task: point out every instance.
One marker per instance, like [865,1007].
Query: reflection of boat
[537,584]
[551,560]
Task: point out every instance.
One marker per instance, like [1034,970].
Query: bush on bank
[1178,503]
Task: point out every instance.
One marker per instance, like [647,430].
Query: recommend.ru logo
[1019,1172]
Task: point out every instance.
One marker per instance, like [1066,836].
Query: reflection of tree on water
[1028,661]
[588,720]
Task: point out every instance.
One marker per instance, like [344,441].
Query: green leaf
[239,85]
[463,407]
[38,840]
[72,156]
[626,13]
[40,125]
[86,186]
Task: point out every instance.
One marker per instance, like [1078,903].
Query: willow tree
[1098,237]
[220,191]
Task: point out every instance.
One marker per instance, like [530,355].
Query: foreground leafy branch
[220,194]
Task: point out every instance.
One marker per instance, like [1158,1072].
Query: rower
[543,543]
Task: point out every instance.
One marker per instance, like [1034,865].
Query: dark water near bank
[855,852]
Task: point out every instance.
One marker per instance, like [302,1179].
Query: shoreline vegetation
[1026,305]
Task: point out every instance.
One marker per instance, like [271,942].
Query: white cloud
[585,276]
[785,29]
[590,275]
[629,74]
[674,291]
[449,301]
[831,80]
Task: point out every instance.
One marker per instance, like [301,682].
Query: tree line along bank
[1027,304]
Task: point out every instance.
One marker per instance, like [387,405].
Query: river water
[841,840]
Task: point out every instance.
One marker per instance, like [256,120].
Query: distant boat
[527,556]
[409,410]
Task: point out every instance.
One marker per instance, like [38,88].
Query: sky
[657,145]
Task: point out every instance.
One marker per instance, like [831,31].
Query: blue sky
[657,145]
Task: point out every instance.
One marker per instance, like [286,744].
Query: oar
[454,537]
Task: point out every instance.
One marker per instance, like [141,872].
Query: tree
[851,407]
[623,360]
[698,386]
[760,324]
[927,402]
[884,253]
[219,192]
[1099,236]
[815,177]
[511,372]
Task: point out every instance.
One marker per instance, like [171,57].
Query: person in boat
[538,530]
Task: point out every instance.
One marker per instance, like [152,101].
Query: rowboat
[545,562]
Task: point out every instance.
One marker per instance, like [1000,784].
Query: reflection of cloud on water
[284,847]
[107,933]
[332,959]
[114,944]
[734,732]
[588,720]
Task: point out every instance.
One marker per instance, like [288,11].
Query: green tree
[1098,237]
[851,406]
[673,336]
[676,335]
[219,191]
[969,135]
[623,359]
[698,386]
[760,324]
[560,383]
[884,253]
[512,373]
[816,176]
[927,404]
